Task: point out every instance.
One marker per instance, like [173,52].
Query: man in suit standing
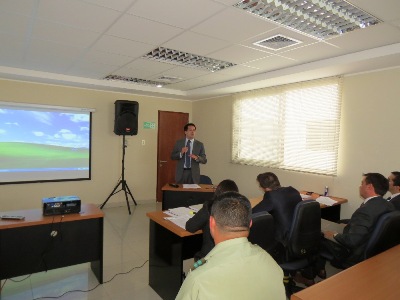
[189,153]
[348,247]
[394,189]
[280,202]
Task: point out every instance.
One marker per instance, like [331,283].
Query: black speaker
[126,117]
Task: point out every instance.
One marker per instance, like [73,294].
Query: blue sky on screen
[48,128]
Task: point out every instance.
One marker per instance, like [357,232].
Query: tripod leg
[112,193]
[126,195]
[129,191]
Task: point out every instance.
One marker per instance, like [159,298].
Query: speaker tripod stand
[122,183]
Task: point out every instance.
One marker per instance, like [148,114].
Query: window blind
[293,127]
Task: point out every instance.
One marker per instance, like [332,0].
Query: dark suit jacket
[358,231]
[280,203]
[201,221]
[396,202]
[198,149]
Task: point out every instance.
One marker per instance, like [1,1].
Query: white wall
[140,161]
[368,136]
[369,132]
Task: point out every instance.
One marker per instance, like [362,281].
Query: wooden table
[169,245]
[39,243]
[331,213]
[374,278]
[178,197]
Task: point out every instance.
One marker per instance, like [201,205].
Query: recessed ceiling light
[319,18]
[185,59]
[134,80]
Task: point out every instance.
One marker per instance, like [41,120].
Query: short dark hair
[378,181]
[396,180]
[226,185]
[232,211]
[268,180]
[187,126]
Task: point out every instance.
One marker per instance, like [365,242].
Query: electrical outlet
[143,142]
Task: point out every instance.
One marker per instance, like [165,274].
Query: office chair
[204,179]
[384,236]
[262,230]
[303,244]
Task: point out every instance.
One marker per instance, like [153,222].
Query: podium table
[40,243]
[178,197]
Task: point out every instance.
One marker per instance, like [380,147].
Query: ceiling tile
[17,7]
[63,34]
[270,63]
[371,37]
[142,30]
[116,45]
[77,14]
[233,25]
[238,54]
[11,23]
[120,5]
[195,43]
[179,13]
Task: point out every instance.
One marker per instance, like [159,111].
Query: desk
[374,278]
[169,246]
[27,246]
[178,197]
[331,213]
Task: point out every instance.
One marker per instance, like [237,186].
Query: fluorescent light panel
[319,18]
[185,59]
[134,80]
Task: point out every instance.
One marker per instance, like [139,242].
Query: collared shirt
[191,148]
[366,200]
[393,195]
[235,270]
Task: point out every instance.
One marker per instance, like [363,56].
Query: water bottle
[326,191]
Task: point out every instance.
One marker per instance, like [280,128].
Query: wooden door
[170,129]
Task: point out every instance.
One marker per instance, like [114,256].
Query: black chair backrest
[262,230]
[204,179]
[305,232]
[385,235]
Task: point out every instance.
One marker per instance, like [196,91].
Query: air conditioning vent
[277,42]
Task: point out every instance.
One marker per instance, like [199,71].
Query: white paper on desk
[191,186]
[180,212]
[180,221]
[196,207]
[326,200]
[305,197]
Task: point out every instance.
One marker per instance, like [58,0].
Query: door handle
[162,161]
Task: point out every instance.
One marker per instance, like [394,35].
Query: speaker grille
[126,117]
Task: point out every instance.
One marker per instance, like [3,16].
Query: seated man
[234,268]
[201,220]
[348,247]
[394,189]
[280,202]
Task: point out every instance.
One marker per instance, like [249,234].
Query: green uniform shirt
[235,269]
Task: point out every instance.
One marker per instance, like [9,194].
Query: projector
[61,205]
